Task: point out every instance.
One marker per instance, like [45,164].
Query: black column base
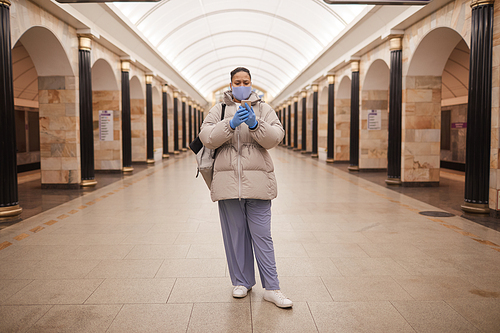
[353,168]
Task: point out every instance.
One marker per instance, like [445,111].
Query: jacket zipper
[239,165]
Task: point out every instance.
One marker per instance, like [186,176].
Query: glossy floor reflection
[448,196]
[35,200]
[145,254]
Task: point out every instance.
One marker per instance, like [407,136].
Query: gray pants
[246,224]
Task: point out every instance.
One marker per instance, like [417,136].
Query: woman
[244,184]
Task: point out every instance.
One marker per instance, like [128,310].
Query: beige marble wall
[138,119]
[495,114]
[421,129]
[342,129]
[323,117]
[170,125]
[59,130]
[373,143]
[157,127]
[107,154]
[309,110]
[299,131]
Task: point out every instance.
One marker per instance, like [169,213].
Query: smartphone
[246,101]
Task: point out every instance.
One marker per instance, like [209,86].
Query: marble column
[284,125]
[296,123]
[315,122]
[190,120]
[126,122]
[304,121]
[9,201]
[331,120]
[86,121]
[354,133]
[184,132]
[289,140]
[164,89]
[395,113]
[195,122]
[200,118]
[149,121]
[477,159]
[176,123]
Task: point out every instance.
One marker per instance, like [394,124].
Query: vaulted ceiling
[205,39]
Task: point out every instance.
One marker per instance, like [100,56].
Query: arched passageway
[106,117]
[45,94]
[374,117]
[322,120]
[437,71]
[138,120]
[342,119]
[157,125]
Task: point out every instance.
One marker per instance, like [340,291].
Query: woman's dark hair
[240,69]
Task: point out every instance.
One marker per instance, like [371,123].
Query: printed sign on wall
[374,120]
[106,125]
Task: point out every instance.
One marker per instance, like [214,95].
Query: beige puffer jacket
[243,168]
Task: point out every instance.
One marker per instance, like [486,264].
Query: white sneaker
[240,291]
[277,297]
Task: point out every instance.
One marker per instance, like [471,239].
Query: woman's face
[241,79]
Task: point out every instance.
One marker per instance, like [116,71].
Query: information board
[106,125]
[374,120]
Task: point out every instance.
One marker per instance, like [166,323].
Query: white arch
[377,77]
[46,52]
[103,78]
[136,91]
[433,52]
[344,91]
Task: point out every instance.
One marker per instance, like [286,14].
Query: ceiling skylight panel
[348,12]
[134,10]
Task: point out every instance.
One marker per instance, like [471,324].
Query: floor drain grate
[436,214]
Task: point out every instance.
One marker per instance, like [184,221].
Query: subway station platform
[145,254]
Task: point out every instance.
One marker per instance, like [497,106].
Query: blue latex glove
[239,117]
[252,119]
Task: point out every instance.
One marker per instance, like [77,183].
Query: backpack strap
[223,111]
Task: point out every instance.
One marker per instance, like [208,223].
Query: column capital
[314,87]
[164,88]
[475,3]
[176,94]
[5,3]
[183,99]
[354,65]
[303,94]
[396,44]
[149,79]
[85,42]
[295,99]
[125,65]
[330,78]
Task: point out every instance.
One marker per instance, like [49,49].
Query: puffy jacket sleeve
[214,131]
[269,132]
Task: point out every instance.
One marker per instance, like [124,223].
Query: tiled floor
[145,254]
